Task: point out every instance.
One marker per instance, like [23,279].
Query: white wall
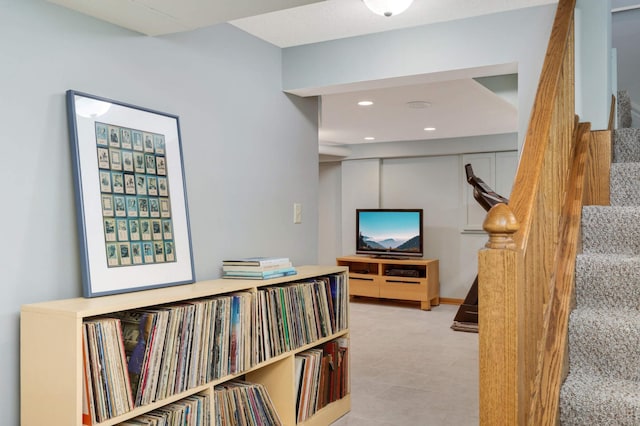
[593,62]
[250,151]
[329,212]
[626,33]
[360,189]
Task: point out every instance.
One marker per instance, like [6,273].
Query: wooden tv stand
[403,279]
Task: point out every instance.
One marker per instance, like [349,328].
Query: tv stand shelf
[403,279]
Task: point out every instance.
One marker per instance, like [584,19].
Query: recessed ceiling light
[418,104]
[369,138]
[365,103]
[429,129]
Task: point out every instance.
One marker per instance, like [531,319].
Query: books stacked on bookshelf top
[257,268]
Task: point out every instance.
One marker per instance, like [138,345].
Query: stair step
[593,400]
[611,229]
[626,146]
[608,279]
[603,385]
[605,341]
[625,184]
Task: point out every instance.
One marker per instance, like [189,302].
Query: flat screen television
[389,232]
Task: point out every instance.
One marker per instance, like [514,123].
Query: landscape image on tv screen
[389,231]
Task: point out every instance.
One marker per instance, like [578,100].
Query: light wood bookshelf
[378,277]
[51,361]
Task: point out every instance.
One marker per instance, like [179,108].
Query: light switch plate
[297,213]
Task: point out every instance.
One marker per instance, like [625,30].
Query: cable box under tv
[396,272]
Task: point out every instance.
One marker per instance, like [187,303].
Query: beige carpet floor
[409,368]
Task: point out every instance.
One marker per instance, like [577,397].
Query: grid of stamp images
[134,186]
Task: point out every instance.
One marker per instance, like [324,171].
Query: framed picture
[118,152]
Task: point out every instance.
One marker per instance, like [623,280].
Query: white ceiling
[460,106]
[393,116]
[334,19]
[157,17]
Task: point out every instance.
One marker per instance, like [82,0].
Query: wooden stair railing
[515,278]
[526,270]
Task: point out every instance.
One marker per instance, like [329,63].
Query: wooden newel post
[500,310]
[500,224]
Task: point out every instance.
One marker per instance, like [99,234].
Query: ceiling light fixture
[365,103]
[429,129]
[387,7]
[369,138]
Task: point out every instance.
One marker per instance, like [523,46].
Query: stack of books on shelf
[257,268]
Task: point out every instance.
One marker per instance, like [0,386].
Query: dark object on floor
[467,317]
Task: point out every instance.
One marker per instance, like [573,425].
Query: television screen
[389,232]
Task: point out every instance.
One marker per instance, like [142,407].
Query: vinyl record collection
[241,403]
[136,357]
[293,315]
[321,377]
[193,410]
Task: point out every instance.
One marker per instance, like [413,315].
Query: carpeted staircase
[603,385]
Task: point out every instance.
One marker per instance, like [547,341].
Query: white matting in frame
[135,260]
